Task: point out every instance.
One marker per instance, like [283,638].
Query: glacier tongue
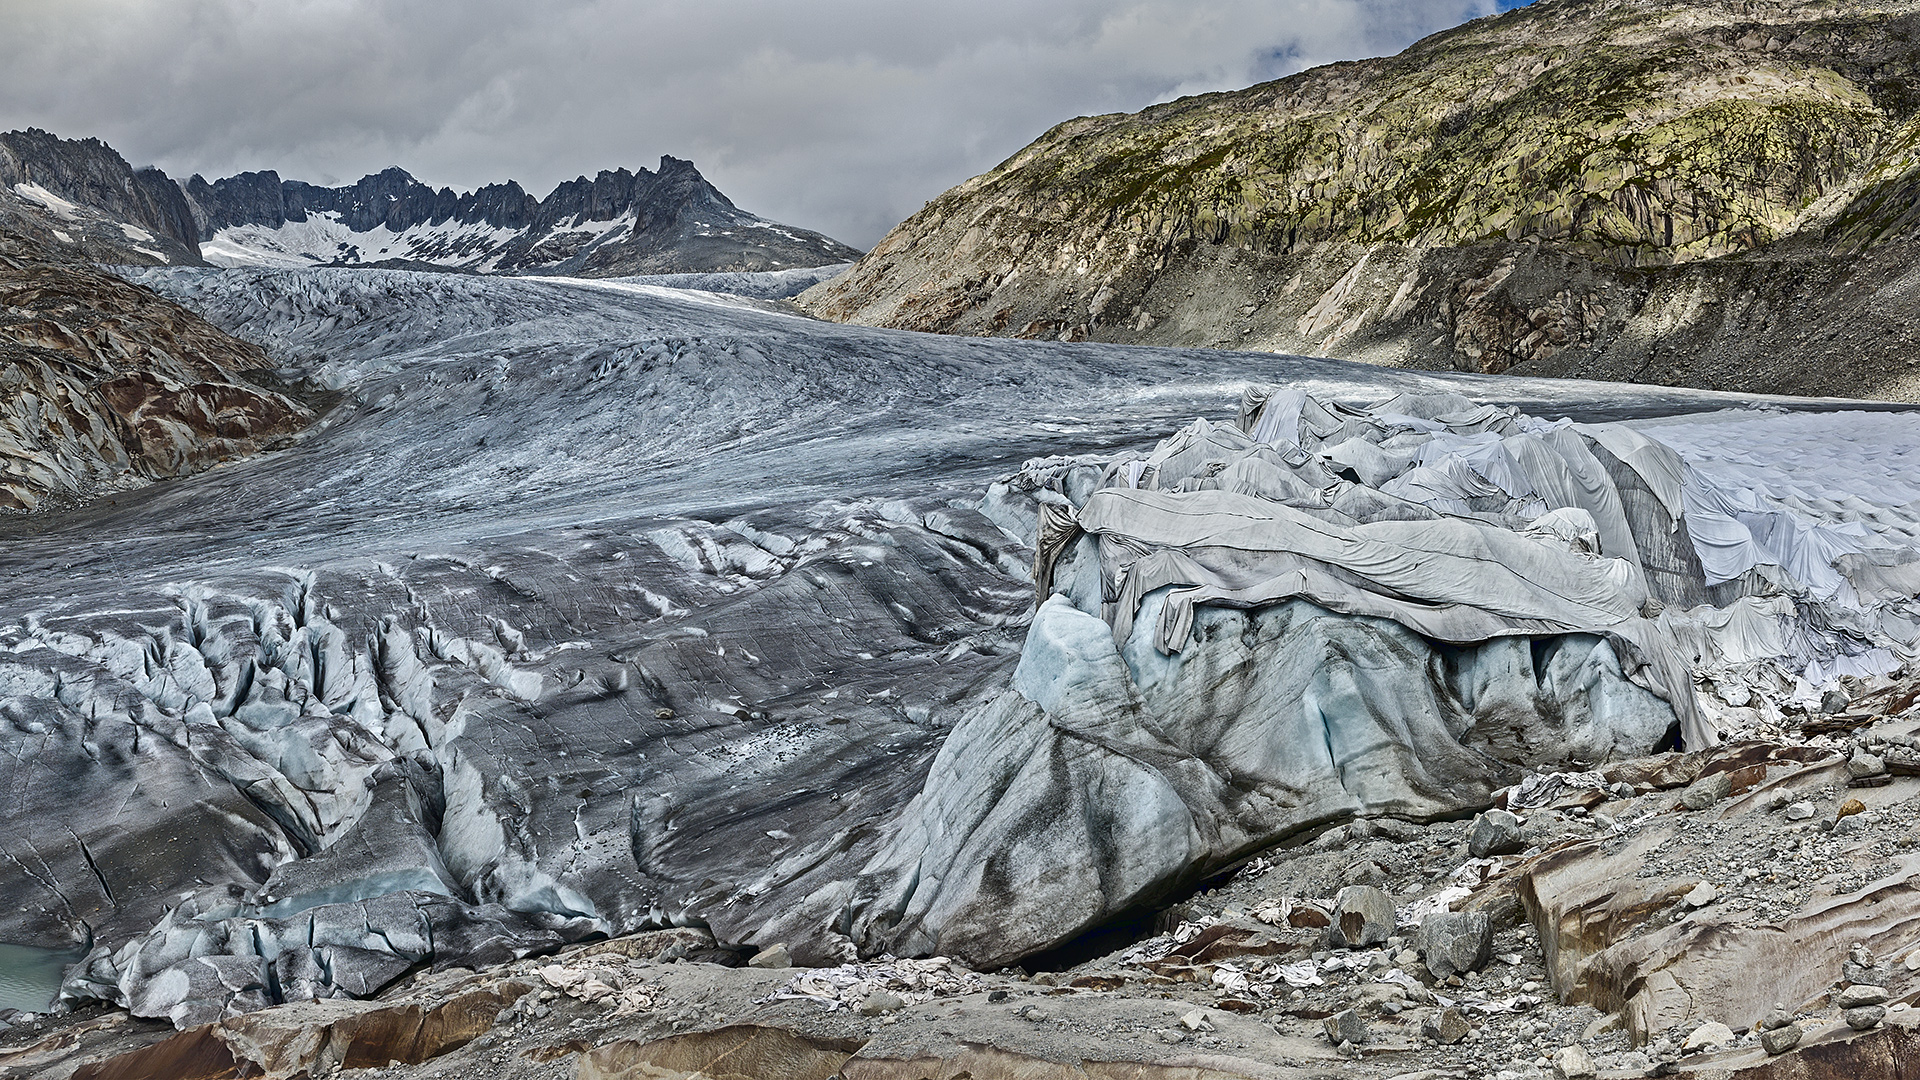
[597,608]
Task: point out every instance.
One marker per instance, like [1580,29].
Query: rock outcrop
[105,386]
[1707,193]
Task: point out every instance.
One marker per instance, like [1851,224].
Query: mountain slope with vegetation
[1710,192]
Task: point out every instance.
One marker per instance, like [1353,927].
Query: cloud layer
[838,115]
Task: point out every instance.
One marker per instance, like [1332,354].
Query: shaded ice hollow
[597,607]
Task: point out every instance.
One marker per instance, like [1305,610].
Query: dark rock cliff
[87,201]
[107,191]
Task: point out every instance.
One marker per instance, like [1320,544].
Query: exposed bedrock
[1693,192]
[105,386]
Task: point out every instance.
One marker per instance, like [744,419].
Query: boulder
[1865,1017]
[1701,895]
[1860,994]
[1706,791]
[1453,943]
[1573,1063]
[1781,1039]
[1446,1026]
[1707,1036]
[1362,916]
[1495,832]
[1347,1026]
[773,956]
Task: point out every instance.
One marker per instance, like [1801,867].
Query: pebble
[1800,811]
[881,1001]
[1780,1040]
[1701,895]
[1850,808]
[1196,1021]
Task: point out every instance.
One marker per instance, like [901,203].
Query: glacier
[599,606]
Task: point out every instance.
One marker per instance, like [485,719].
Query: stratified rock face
[1649,190]
[666,222]
[94,205]
[104,386]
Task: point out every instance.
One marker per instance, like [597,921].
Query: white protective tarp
[1468,522]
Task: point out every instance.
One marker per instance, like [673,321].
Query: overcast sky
[838,115]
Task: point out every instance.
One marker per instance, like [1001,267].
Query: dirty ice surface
[571,559]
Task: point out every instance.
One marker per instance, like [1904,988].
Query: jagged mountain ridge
[1704,192]
[83,196]
[619,222]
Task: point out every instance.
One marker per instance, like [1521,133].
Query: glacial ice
[593,609]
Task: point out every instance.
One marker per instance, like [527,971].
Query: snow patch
[34,193]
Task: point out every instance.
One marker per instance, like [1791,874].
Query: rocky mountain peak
[61,175]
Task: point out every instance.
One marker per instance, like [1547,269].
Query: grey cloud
[838,115]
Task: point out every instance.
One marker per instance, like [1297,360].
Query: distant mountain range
[1715,193]
[82,196]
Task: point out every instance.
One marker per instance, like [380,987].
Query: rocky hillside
[1717,193]
[105,386]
